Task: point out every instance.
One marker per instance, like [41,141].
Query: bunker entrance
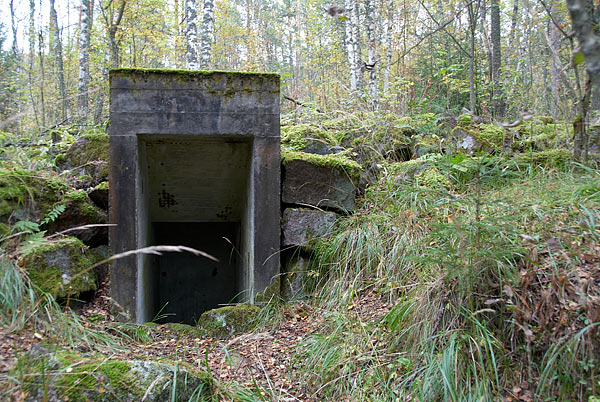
[196,196]
[194,161]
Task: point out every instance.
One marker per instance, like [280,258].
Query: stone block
[301,225]
[319,185]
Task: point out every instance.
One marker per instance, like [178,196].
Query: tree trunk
[556,67]
[43,77]
[32,59]
[472,14]
[207,32]
[584,25]
[498,103]
[191,34]
[371,65]
[84,60]
[387,38]
[513,21]
[352,45]
[354,15]
[13,26]
[57,47]
[297,47]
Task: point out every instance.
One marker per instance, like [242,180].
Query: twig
[297,102]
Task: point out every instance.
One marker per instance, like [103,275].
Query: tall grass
[445,252]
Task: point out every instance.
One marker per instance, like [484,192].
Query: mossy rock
[339,162]
[230,320]
[88,159]
[87,148]
[80,210]
[539,136]
[433,178]
[555,158]
[62,375]
[301,137]
[28,194]
[465,120]
[489,137]
[61,267]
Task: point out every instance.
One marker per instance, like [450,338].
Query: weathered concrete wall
[177,111]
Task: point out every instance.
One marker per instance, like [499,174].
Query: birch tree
[371,64]
[84,60]
[58,53]
[207,32]
[387,44]
[13,26]
[352,47]
[191,34]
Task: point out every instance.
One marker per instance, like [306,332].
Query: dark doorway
[189,284]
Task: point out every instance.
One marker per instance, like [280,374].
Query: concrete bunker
[194,161]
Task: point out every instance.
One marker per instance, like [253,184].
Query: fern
[26,227]
[32,242]
[53,214]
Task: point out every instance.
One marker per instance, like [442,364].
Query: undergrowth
[493,279]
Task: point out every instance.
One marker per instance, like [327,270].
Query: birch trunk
[354,16]
[207,32]
[191,34]
[387,42]
[13,26]
[84,60]
[372,55]
[352,45]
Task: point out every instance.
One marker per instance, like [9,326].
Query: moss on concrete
[61,267]
[227,321]
[340,162]
[127,72]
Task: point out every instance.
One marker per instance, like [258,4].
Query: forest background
[499,59]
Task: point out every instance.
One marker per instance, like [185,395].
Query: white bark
[371,64]
[84,60]
[207,32]
[191,34]
[351,46]
[13,26]
[354,16]
[387,43]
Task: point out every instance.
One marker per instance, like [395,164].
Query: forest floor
[263,360]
